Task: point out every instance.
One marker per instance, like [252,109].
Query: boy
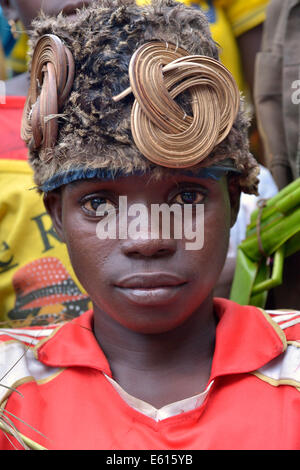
[158,363]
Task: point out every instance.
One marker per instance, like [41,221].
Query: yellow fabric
[245,15]
[26,230]
[229,19]
[17,62]
[2,64]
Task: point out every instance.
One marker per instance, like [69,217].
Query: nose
[146,248]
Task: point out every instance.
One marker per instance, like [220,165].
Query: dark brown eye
[189,197]
[93,204]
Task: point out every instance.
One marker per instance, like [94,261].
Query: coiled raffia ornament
[161,129]
[52,75]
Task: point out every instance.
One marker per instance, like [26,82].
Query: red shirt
[252,403]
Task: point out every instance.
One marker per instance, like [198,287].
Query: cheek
[209,260]
[89,255]
[217,229]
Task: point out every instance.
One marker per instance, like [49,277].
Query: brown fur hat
[94,132]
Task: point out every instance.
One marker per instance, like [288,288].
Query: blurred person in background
[14,41]
[277,87]
[37,282]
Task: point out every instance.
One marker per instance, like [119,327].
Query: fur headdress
[89,132]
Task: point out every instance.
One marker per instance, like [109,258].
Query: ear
[234,195]
[53,204]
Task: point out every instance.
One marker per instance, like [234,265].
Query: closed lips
[150,281]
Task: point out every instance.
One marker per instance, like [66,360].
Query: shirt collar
[73,344]
[246,339]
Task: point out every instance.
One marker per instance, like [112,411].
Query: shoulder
[28,336]
[285,368]
[289,322]
[18,361]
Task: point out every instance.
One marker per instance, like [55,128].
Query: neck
[184,353]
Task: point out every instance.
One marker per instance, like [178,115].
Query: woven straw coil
[52,77]
[161,129]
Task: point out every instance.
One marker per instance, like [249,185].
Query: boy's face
[148,282]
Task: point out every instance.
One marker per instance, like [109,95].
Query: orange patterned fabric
[45,293]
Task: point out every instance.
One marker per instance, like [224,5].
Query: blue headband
[60,179]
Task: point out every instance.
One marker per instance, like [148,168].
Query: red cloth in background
[11,144]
